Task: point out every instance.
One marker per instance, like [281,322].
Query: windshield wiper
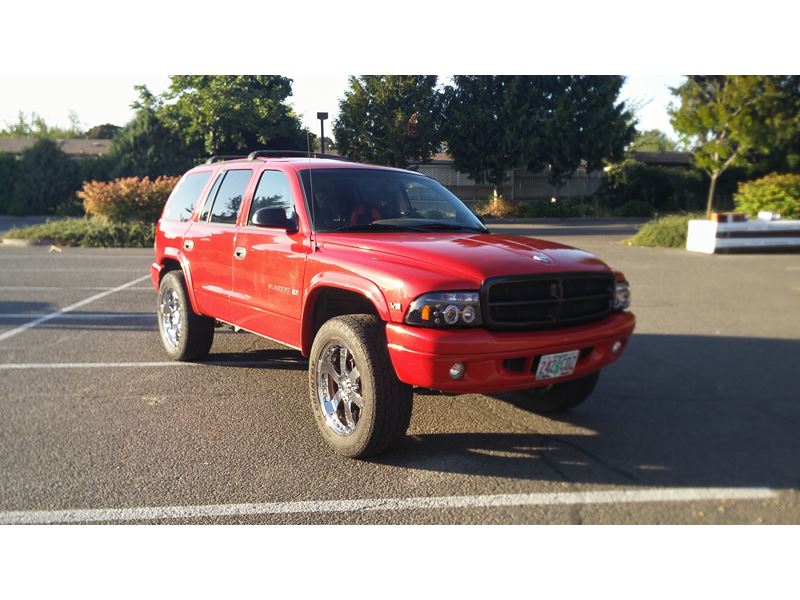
[447,227]
[372,227]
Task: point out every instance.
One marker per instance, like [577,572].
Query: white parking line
[71,307]
[91,365]
[61,288]
[156,513]
[83,315]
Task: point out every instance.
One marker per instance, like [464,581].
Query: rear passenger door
[209,243]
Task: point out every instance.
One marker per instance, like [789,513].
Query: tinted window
[229,196]
[181,203]
[272,192]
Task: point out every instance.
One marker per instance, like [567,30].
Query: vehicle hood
[476,256]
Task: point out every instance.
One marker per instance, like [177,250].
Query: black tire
[192,337]
[384,416]
[555,398]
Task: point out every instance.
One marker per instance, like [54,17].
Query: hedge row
[89,233]
[127,199]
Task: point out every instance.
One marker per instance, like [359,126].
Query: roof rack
[221,157]
[293,153]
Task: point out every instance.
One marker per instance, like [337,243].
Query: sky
[107,98]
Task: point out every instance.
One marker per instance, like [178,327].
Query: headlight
[622,295]
[445,310]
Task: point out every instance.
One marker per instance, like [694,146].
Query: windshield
[378,200]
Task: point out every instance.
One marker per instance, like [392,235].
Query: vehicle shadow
[266,358]
[675,411]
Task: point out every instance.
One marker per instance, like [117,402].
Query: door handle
[188,244]
[240,252]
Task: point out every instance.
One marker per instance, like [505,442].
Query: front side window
[273,191]
[345,199]
[229,196]
[181,203]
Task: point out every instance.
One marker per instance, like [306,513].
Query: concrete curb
[17,243]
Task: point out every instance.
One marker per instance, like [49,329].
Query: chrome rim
[339,388]
[170,317]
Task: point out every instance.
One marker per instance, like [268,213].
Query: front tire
[360,406]
[185,335]
[556,398]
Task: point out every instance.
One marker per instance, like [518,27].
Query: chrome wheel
[339,388]
[170,309]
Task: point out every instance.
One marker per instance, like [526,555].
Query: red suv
[384,280]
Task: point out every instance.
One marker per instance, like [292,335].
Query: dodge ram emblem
[541,257]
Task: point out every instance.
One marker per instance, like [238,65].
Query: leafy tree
[8,174]
[389,119]
[481,127]
[106,131]
[45,179]
[146,146]
[229,114]
[558,123]
[719,118]
[34,126]
[578,123]
[652,140]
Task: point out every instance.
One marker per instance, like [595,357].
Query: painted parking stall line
[157,513]
[43,319]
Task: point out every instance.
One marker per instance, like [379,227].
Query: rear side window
[229,196]
[273,191]
[181,202]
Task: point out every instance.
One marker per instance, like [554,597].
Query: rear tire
[185,335]
[556,398]
[360,406]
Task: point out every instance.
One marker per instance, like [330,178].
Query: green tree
[45,179]
[147,146]
[720,119]
[106,131]
[34,126]
[555,123]
[652,140]
[229,114]
[481,127]
[389,119]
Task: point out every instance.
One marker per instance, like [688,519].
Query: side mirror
[275,217]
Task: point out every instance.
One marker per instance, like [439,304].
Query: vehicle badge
[539,257]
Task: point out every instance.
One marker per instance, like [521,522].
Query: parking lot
[698,423]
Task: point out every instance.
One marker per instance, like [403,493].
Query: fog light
[617,347]
[457,370]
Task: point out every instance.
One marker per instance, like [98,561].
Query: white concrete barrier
[712,236]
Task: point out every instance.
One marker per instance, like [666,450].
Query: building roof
[75,147]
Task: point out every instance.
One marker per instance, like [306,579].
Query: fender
[183,261]
[344,281]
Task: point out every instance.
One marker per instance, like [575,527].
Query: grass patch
[664,232]
[88,233]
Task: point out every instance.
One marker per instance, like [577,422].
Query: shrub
[665,232]
[499,207]
[88,232]
[774,193]
[45,178]
[635,189]
[8,173]
[127,199]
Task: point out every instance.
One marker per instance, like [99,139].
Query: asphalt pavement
[699,422]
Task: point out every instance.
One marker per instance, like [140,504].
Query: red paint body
[272,291]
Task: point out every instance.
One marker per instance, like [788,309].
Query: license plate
[557,365]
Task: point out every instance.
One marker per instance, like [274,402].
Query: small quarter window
[181,203]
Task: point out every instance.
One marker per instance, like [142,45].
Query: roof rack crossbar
[221,157]
[292,153]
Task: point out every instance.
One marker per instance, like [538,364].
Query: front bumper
[500,361]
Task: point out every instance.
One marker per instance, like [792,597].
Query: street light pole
[322,116]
